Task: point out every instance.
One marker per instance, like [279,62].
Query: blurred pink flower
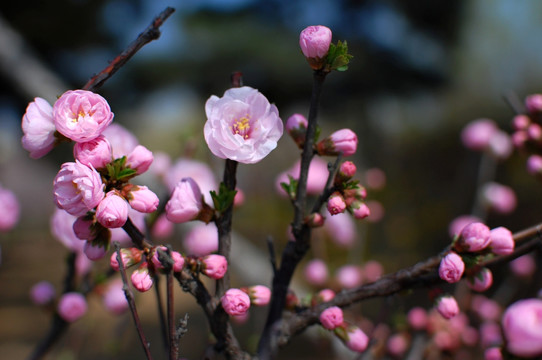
[316,272]
[534,164]
[62,229]
[372,271]
[139,159]
[500,198]
[478,133]
[81,115]
[501,241]
[38,128]
[447,307]
[121,139]
[493,353]
[242,125]
[235,302]
[353,337]
[96,152]
[500,145]
[457,224]
[185,203]
[316,178]
[534,103]
[201,239]
[523,266]
[112,211]
[341,229]
[114,299]
[9,209]
[490,334]
[72,306]
[42,293]
[397,345]
[93,251]
[162,227]
[522,327]
[417,318]
[349,276]
[77,188]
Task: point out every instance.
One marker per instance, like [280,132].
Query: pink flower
[336,204]
[316,272]
[397,345]
[493,353]
[114,299]
[359,209]
[215,266]
[534,164]
[38,128]
[500,198]
[331,317]
[82,228]
[129,257]
[9,209]
[447,307]
[375,178]
[501,241]
[341,229]
[500,145]
[185,203]
[122,141]
[201,240]
[322,296]
[523,266]
[451,268]
[417,318]
[77,188]
[478,133]
[162,228]
[178,261]
[459,223]
[481,281]
[347,170]
[72,306]
[259,295]
[474,237]
[96,152]
[353,337]
[81,115]
[62,229]
[487,309]
[142,199]
[112,212]
[296,126]
[242,125]
[534,103]
[344,140]
[42,293]
[139,159]
[94,251]
[197,170]
[235,302]
[141,279]
[314,42]
[522,327]
[372,271]
[316,179]
[349,276]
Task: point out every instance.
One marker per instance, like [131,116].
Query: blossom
[9,209]
[500,198]
[296,126]
[259,295]
[235,302]
[481,281]
[197,170]
[121,139]
[112,212]
[77,188]
[72,306]
[142,199]
[336,204]
[451,268]
[344,140]
[94,251]
[114,299]
[331,317]
[353,337]
[42,293]
[139,159]
[316,272]
[397,345]
[201,240]
[349,276]
[81,115]
[38,128]
[214,266]
[417,318]
[314,42]
[242,125]
[62,229]
[185,203]
[478,133]
[359,209]
[96,152]
[523,266]
[474,237]
[141,279]
[176,257]
[447,307]
[316,178]
[501,241]
[522,327]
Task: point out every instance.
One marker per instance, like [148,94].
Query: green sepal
[338,57]
[126,172]
[317,133]
[224,199]
[470,260]
[291,187]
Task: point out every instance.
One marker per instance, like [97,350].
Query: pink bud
[521,122]
[81,115]
[156,257]
[522,326]
[500,145]
[140,159]
[235,302]
[9,209]
[493,353]
[214,266]
[501,241]
[96,152]
[112,212]
[341,229]
[534,132]
[322,296]
[353,337]
[478,133]
[185,203]
[417,318]
[349,276]
[292,301]
[239,198]
[142,199]
[397,345]
[259,295]
[141,279]
[500,198]
[534,103]
[331,317]
[315,41]
[129,257]
[447,307]
[520,138]
[296,126]
[201,240]
[162,228]
[42,293]
[474,237]
[534,164]
[94,251]
[359,209]
[344,140]
[38,128]
[82,228]
[481,281]
[178,261]
[316,272]
[336,204]
[315,220]
[457,225]
[347,170]
[114,299]
[490,334]
[372,271]
[72,306]
[523,266]
[451,268]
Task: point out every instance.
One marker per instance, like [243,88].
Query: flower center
[241,126]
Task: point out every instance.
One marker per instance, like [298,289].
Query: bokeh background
[421,71]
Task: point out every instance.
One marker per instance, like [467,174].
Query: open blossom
[112,212]
[522,326]
[451,268]
[185,203]
[72,306]
[344,140]
[77,188]
[242,125]
[38,128]
[9,209]
[235,302]
[81,115]
[331,317]
[96,152]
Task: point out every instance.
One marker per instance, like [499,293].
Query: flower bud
[94,251]
[347,170]
[534,103]
[349,276]
[42,293]
[493,353]
[336,204]
[500,198]
[129,257]
[359,209]
[474,237]
[235,302]
[534,165]
[82,228]
[417,318]
[9,209]
[178,261]
[38,128]
[322,296]
[481,281]
[259,295]
[523,266]
[201,240]
[315,220]
[344,140]
[501,241]
[314,42]
[142,199]
[185,203]
[96,152]
[140,159]
[292,301]
[397,345]
[477,134]
[141,279]
[447,307]
[353,337]
[316,272]
[214,266]
[114,299]
[72,306]
[522,327]
[296,126]
[451,268]
[331,317]
[112,212]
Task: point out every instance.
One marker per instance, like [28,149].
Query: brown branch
[152,32]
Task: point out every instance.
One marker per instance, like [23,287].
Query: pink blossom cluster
[485,135]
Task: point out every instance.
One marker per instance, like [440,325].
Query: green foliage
[291,187]
[338,57]
[224,199]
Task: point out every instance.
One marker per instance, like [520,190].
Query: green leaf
[224,199]
[338,57]
[126,172]
[290,188]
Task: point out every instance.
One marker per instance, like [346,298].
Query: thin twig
[161,313]
[131,302]
[152,32]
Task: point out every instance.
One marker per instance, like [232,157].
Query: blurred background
[421,71]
